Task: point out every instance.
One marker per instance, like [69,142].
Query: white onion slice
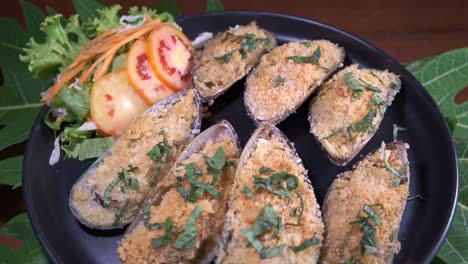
[55,155]
[201,39]
[87,126]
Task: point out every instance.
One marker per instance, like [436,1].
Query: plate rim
[55,258]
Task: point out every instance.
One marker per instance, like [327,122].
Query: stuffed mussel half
[348,109]
[273,214]
[228,57]
[183,222]
[109,194]
[286,76]
[364,206]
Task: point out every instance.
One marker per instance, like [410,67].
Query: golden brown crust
[212,76]
[279,85]
[136,245]
[366,184]
[131,148]
[336,106]
[271,151]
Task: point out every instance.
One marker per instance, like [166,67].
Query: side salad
[107,70]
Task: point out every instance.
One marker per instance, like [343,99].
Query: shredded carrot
[102,48]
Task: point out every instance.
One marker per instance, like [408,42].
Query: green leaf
[20,93]
[10,171]
[214,5]
[30,250]
[311,242]
[50,11]
[87,8]
[188,237]
[444,76]
[169,6]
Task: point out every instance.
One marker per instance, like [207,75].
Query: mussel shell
[208,98]
[285,114]
[222,128]
[169,101]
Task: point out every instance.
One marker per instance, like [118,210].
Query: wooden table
[406,30]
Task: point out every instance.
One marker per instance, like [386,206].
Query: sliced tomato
[171,55]
[114,103]
[141,75]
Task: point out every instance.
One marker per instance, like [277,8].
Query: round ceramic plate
[433,167]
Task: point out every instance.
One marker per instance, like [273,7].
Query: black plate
[434,173]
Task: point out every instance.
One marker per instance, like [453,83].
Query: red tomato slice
[171,56]
[142,77]
[114,103]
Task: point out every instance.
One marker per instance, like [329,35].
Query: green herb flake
[399,173]
[226,57]
[188,237]
[159,154]
[377,77]
[314,58]
[363,125]
[368,242]
[119,215]
[306,44]
[393,85]
[126,181]
[278,81]
[264,170]
[295,212]
[269,220]
[395,131]
[308,243]
[245,190]
[276,183]
[352,261]
[217,162]
[353,84]
[166,238]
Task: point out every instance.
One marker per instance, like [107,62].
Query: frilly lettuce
[61,46]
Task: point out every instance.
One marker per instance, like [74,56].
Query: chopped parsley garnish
[377,77]
[248,43]
[123,177]
[401,175]
[215,166]
[352,261]
[314,58]
[368,242]
[269,220]
[166,238]
[279,183]
[295,212]
[353,84]
[308,243]
[245,190]
[188,237]
[278,81]
[395,131]
[307,44]
[363,125]
[146,218]
[119,215]
[393,85]
[159,154]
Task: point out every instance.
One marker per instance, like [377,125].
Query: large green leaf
[10,171]
[444,76]
[214,5]
[30,250]
[20,93]
[87,8]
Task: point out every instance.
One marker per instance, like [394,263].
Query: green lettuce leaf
[75,102]
[30,250]
[61,46]
[83,145]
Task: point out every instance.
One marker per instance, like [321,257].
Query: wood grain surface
[406,30]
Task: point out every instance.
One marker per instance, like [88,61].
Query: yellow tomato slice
[142,77]
[171,55]
[114,103]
